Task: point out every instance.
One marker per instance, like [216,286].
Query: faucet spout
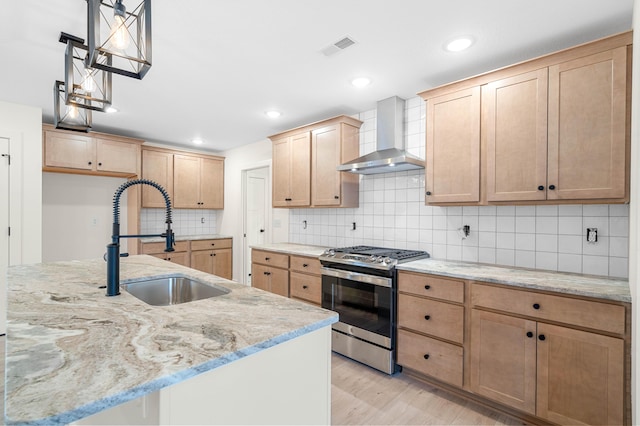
[113,249]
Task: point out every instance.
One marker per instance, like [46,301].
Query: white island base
[289,383]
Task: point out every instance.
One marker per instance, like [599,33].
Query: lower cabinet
[538,355]
[212,256]
[271,279]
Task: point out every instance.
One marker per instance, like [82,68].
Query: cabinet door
[503,359]
[580,377]
[325,179]
[279,281]
[587,127]
[259,277]
[70,151]
[113,156]
[186,182]
[515,122]
[158,167]
[181,258]
[300,170]
[202,260]
[211,183]
[222,263]
[281,173]
[453,147]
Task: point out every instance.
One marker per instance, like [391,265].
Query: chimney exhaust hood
[390,155]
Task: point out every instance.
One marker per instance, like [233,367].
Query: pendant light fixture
[122,32]
[85,87]
[71,116]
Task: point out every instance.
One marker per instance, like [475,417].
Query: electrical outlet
[592,235]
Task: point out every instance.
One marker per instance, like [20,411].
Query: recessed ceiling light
[197,141]
[361,81]
[111,110]
[458,44]
[273,113]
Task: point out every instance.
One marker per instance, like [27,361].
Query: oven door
[365,303]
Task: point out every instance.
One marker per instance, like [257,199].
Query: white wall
[230,220]
[78,214]
[634,215]
[23,125]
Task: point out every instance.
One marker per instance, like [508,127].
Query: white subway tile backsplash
[185,222]
[392,213]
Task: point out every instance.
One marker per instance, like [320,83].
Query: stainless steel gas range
[360,283]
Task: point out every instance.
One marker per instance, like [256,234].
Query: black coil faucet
[113,249]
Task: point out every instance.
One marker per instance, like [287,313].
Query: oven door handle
[357,276]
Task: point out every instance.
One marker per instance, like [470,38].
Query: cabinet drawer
[431,357]
[306,287]
[582,313]
[431,317]
[278,260]
[153,248]
[211,244]
[308,265]
[428,285]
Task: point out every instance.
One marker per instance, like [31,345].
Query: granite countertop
[292,248]
[186,238]
[576,284]
[71,351]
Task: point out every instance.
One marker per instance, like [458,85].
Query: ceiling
[218,65]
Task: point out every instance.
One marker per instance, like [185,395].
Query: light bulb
[119,34]
[88,84]
[72,111]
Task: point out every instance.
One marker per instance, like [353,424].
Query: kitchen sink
[172,290]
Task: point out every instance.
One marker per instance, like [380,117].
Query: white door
[256,210]
[4,230]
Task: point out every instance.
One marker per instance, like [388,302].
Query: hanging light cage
[85,87]
[122,32]
[69,117]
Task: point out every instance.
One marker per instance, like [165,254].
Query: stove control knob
[329,252]
[379,259]
[372,258]
[387,260]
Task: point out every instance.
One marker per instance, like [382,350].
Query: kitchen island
[245,357]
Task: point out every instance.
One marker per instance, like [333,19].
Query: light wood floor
[361,395]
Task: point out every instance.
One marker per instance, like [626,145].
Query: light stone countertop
[71,351]
[292,248]
[576,284]
[186,238]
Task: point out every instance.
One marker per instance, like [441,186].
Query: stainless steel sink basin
[172,290]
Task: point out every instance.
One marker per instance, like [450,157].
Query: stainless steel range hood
[390,155]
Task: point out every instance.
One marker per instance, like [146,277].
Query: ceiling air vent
[338,46]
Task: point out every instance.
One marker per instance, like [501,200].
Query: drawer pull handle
[426,356]
[287,199]
[304,265]
[267,273]
[305,287]
[529,334]
[267,258]
[427,317]
[427,287]
[213,244]
[536,306]
[541,337]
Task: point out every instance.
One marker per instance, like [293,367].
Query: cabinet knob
[210,254]
[529,334]
[214,255]
[426,356]
[267,273]
[541,337]
[552,187]
[536,306]
[427,287]
[213,244]
[99,164]
[428,192]
[89,162]
[305,287]
[336,197]
[267,259]
[540,188]
[304,265]
[427,317]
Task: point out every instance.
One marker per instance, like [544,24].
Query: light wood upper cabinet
[587,127]
[101,154]
[453,147]
[332,146]
[515,127]
[305,161]
[291,171]
[198,182]
[157,166]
